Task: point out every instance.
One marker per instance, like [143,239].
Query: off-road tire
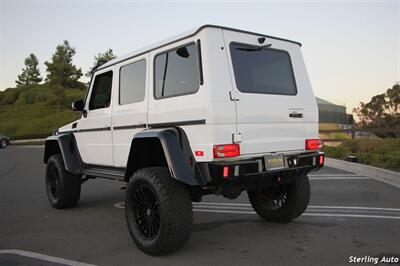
[63,188]
[174,205]
[3,144]
[296,201]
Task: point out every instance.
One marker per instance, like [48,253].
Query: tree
[100,59]
[30,73]
[382,112]
[60,70]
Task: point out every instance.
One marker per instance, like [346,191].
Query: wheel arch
[65,145]
[168,147]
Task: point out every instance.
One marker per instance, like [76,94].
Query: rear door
[129,105]
[276,108]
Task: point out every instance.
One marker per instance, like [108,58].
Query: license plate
[274,161]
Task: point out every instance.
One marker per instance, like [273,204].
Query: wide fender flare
[65,144]
[177,152]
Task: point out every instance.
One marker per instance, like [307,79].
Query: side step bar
[113,173]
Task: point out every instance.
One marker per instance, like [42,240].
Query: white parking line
[217,203]
[340,178]
[335,175]
[355,208]
[44,257]
[222,207]
[224,211]
[306,214]
[312,210]
[353,215]
[243,205]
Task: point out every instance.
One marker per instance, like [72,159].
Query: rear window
[176,72]
[262,70]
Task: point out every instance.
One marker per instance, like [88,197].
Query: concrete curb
[383,175]
[25,140]
[25,146]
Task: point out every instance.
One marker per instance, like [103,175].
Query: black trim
[86,130]
[200,62]
[68,131]
[84,111]
[129,126]
[154,125]
[94,129]
[178,123]
[191,35]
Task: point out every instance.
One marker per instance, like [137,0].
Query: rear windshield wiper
[254,48]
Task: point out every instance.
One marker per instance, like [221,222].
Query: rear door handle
[296,115]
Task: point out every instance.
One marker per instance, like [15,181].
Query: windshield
[260,69]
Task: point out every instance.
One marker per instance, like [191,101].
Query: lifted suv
[212,111]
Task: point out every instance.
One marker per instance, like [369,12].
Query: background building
[332,113]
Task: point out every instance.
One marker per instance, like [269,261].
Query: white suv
[212,111]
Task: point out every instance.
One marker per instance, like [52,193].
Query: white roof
[177,38]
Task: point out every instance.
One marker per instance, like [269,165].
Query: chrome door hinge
[237,137]
[233,96]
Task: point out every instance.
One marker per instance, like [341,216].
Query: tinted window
[132,82]
[101,93]
[176,72]
[262,70]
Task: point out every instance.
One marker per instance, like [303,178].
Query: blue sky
[351,48]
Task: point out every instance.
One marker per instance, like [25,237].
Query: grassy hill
[34,111]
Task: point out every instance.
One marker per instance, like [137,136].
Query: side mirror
[78,105]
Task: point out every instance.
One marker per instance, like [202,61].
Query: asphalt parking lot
[349,215]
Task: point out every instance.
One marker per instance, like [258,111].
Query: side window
[132,82]
[176,72]
[101,92]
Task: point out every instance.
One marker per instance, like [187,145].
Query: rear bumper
[295,164]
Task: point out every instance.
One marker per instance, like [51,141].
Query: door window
[132,82]
[101,92]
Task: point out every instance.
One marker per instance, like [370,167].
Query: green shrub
[384,153]
[9,96]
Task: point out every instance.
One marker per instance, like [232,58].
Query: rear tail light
[313,144]
[226,172]
[321,160]
[227,150]
[199,153]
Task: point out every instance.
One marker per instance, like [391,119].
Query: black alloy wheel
[63,187]
[282,203]
[146,208]
[53,181]
[158,211]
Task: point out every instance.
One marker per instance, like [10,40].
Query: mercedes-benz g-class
[215,110]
